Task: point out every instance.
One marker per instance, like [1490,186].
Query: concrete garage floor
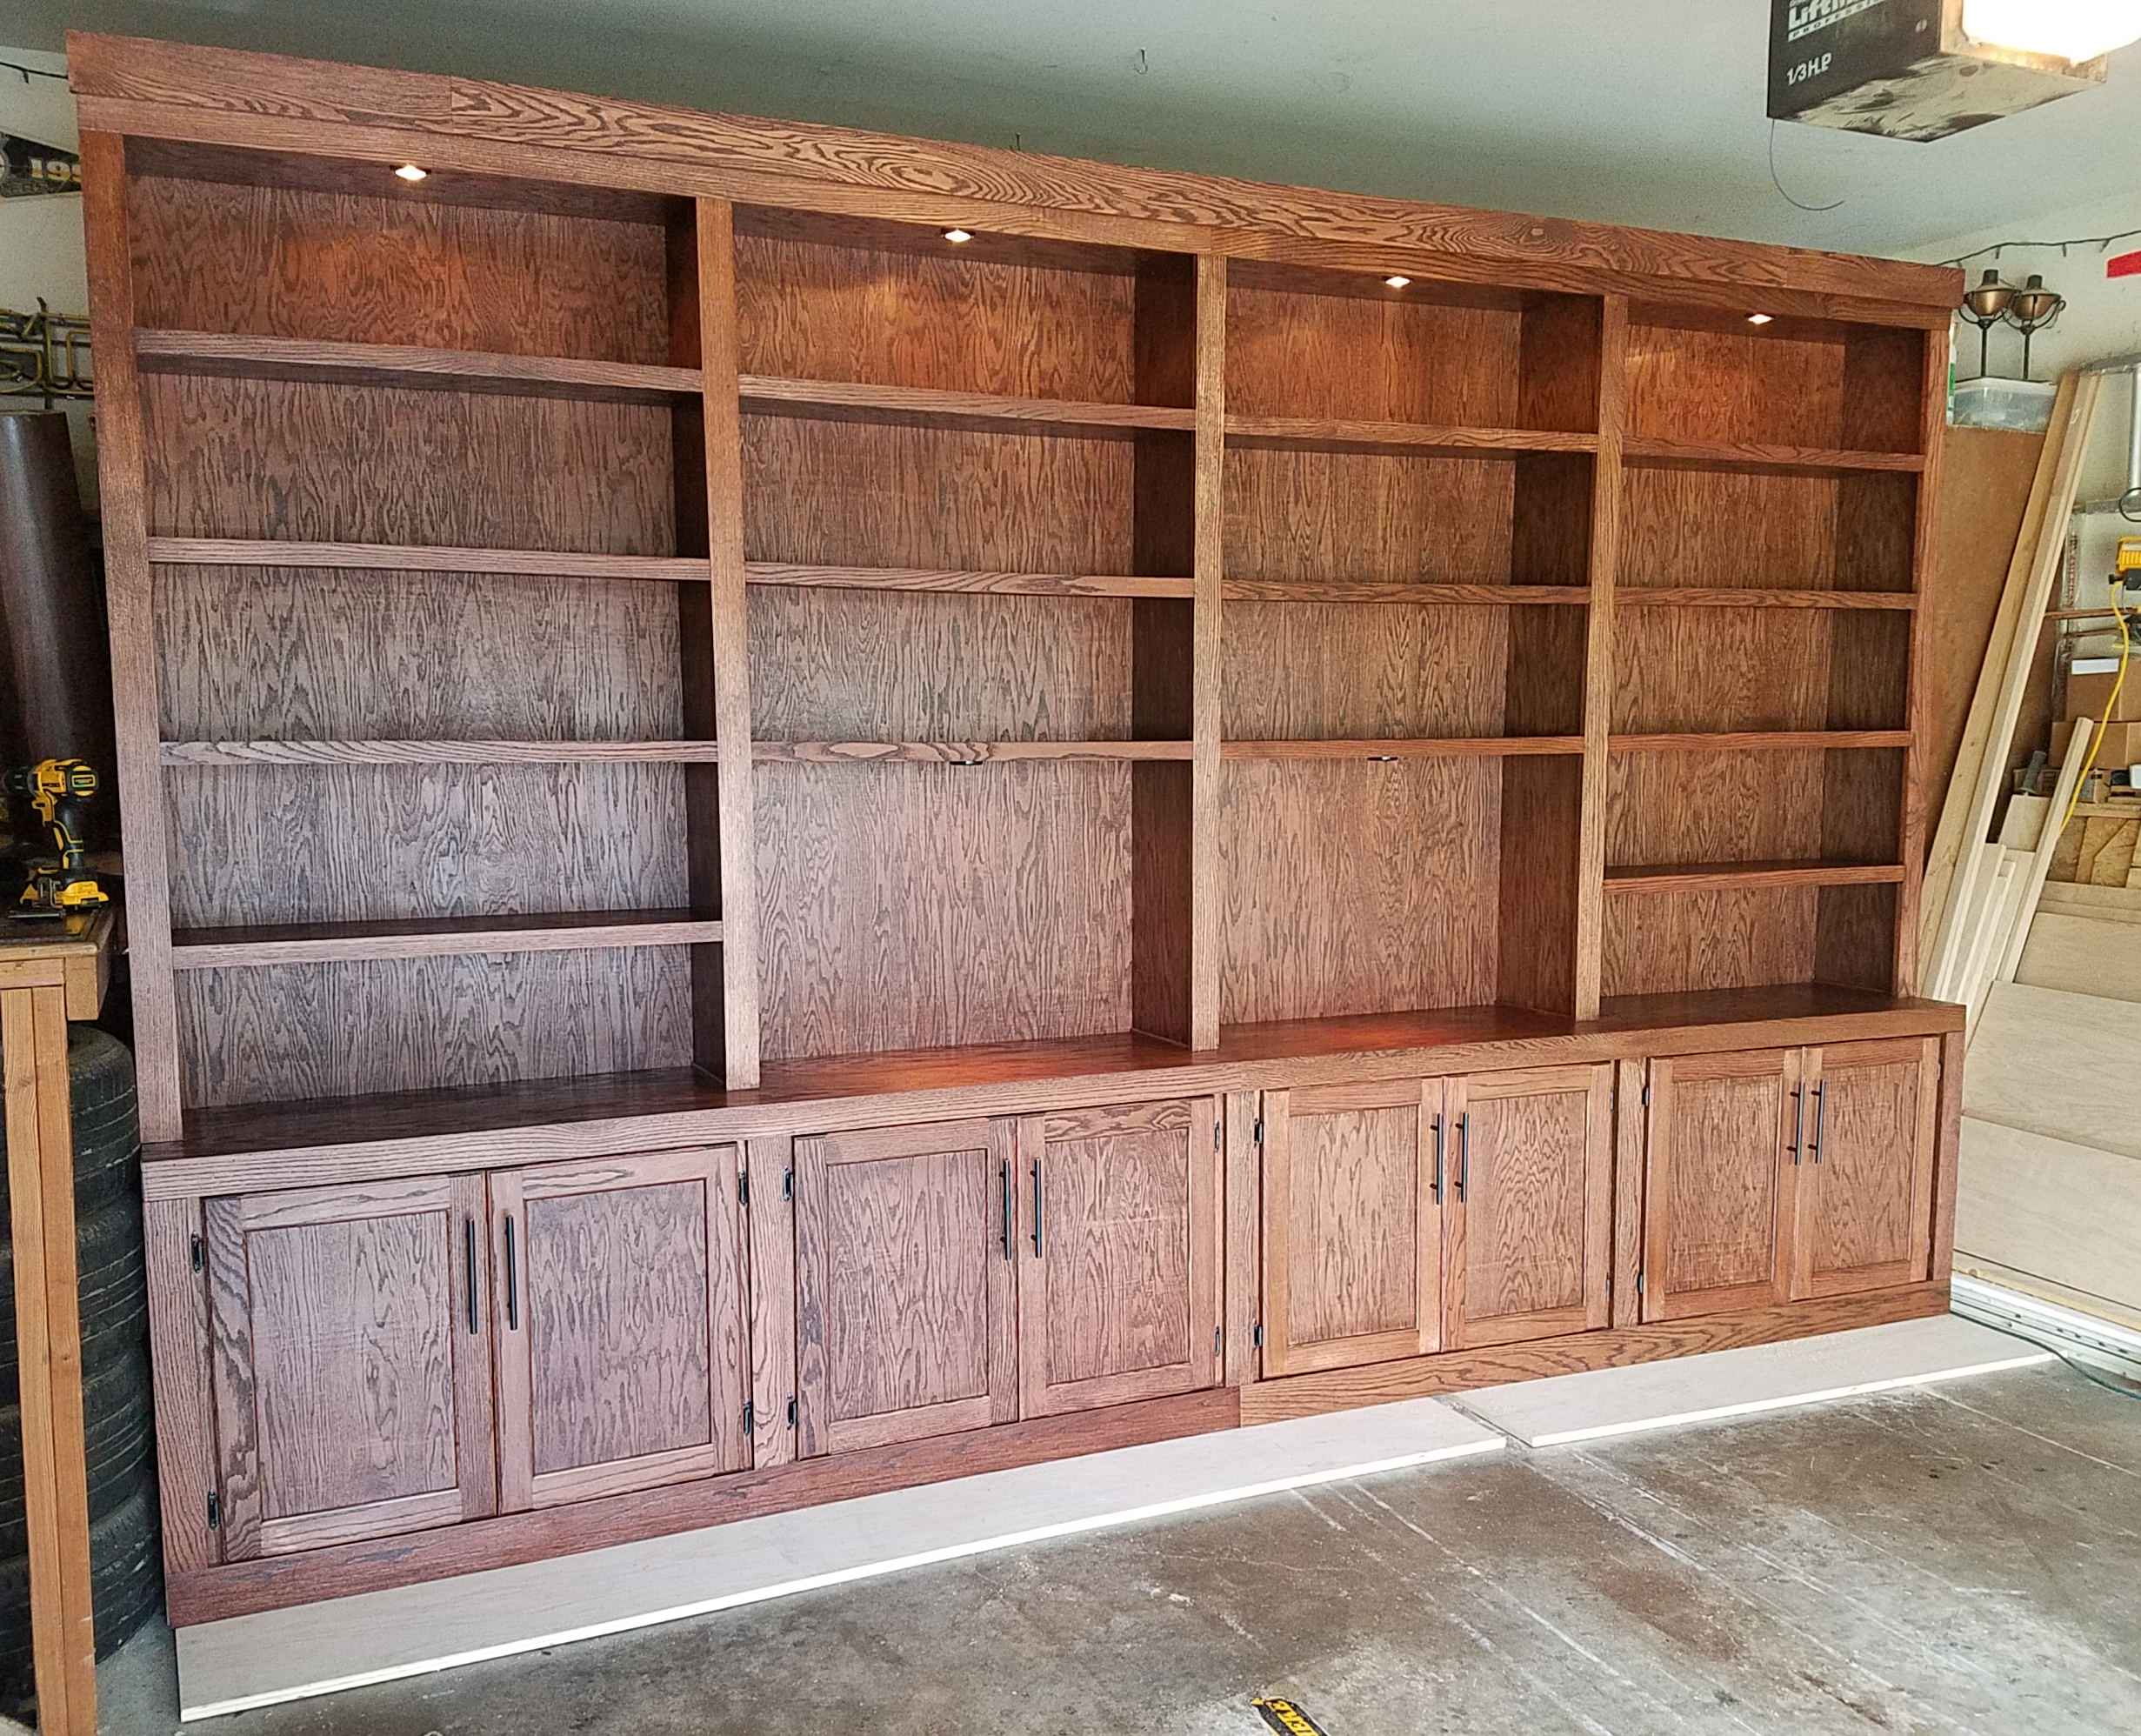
[1952,1559]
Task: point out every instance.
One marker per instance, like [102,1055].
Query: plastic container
[2019,406]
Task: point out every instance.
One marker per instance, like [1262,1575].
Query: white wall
[41,251]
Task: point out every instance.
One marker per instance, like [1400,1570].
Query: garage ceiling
[1640,112]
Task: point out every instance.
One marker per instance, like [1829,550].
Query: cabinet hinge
[200,1254]
[1638,1284]
[1218,1339]
[1646,1093]
[751,1417]
[1257,1132]
[1219,1136]
[788,1183]
[215,1511]
[1257,1336]
[743,1190]
[792,1413]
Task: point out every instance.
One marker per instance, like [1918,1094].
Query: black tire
[113,1286]
[126,1587]
[119,1432]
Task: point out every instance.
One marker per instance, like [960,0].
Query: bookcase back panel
[909,906]
[278,1031]
[1353,886]
[1326,671]
[367,463]
[276,843]
[1730,938]
[937,318]
[1714,669]
[1666,809]
[1717,529]
[1308,516]
[397,268]
[1380,356]
[1797,383]
[826,492]
[883,666]
[323,654]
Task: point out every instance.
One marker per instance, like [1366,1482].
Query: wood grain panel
[770,1221]
[1321,672]
[622,1361]
[1397,356]
[296,1031]
[1118,1272]
[888,666]
[1720,529]
[1353,1225]
[1527,1213]
[387,269]
[1358,888]
[179,1342]
[1632,1093]
[1725,1142]
[358,464]
[944,320]
[1314,516]
[1789,384]
[308,653]
[1687,670]
[1866,1198]
[1701,941]
[351,1362]
[1668,808]
[907,905]
[906,1320]
[1243,1236]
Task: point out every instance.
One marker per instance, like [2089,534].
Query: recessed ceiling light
[409,171]
[955,235]
[1760,319]
[1397,283]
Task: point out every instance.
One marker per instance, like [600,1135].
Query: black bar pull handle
[1799,1121]
[1036,1208]
[1003,1183]
[1821,1100]
[1438,1182]
[1465,1151]
[468,1263]
[512,1280]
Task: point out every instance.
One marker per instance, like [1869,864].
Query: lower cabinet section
[375,1359]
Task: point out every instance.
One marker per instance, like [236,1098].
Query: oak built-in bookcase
[685,647]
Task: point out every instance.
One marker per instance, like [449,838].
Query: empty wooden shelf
[706,766]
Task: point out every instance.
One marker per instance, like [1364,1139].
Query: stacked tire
[125,1560]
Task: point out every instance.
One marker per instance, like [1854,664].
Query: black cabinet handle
[1438,1183]
[1821,1100]
[1004,1180]
[1036,1208]
[512,1281]
[1465,1151]
[468,1266]
[1799,1121]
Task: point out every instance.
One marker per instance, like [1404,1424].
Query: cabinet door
[1530,1205]
[905,1321]
[1719,1193]
[623,1337]
[352,1362]
[1865,1190]
[1118,1286]
[1353,1224]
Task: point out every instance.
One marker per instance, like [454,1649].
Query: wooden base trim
[1423,1376]
[248,1587]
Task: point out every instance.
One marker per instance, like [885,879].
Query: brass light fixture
[2033,308]
[1984,307]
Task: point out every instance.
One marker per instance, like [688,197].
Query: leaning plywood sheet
[2100,904]
[2058,1063]
[2063,1212]
[1744,1382]
[2084,956]
[378,1636]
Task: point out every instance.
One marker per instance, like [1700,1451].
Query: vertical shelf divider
[1917,703]
[716,672]
[131,594]
[1606,496]
[1208,642]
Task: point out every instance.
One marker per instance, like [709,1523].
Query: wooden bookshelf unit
[771,854]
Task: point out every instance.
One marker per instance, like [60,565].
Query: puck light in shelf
[1760,319]
[409,172]
[959,236]
[1396,282]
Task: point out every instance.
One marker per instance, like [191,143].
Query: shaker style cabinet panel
[622,1324]
[1865,1187]
[1723,1164]
[905,1322]
[1119,1276]
[1353,1224]
[1529,1208]
[351,1362]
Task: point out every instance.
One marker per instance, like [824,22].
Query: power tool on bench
[58,790]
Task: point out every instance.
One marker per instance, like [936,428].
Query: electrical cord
[2111,1383]
[2000,247]
[1776,182]
[2111,705]
[31,72]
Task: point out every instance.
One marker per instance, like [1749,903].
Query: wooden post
[46,978]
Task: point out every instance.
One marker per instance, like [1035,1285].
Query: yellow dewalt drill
[58,790]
